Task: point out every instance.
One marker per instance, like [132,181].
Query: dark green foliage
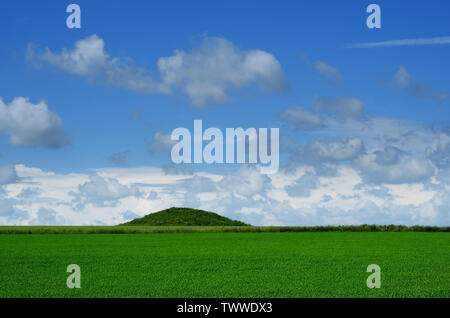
[142,229]
[185,217]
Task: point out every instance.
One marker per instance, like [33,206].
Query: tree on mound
[184,216]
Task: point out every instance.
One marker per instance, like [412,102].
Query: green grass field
[324,264]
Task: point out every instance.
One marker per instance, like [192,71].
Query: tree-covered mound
[184,216]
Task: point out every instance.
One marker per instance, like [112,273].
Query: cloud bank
[302,197]
[391,172]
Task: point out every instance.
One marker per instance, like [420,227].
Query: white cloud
[410,194]
[10,214]
[101,192]
[301,118]
[329,73]
[342,107]
[378,132]
[404,80]
[205,74]
[334,150]
[245,182]
[303,186]
[177,169]
[439,151]
[47,217]
[161,142]
[89,58]
[141,175]
[385,151]
[388,156]
[7,174]
[119,158]
[401,168]
[32,125]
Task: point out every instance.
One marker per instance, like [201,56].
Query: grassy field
[325,264]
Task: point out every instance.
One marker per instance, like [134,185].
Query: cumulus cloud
[301,118]
[89,58]
[393,142]
[393,166]
[29,193]
[101,192]
[439,151]
[303,186]
[378,132]
[176,169]
[388,156]
[334,150]
[9,213]
[28,124]
[47,216]
[7,174]
[199,184]
[386,151]
[160,142]
[205,74]
[119,158]
[341,107]
[330,74]
[246,181]
[403,79]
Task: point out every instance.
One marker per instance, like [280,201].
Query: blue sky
[107,127]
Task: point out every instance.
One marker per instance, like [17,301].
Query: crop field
[226,264]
